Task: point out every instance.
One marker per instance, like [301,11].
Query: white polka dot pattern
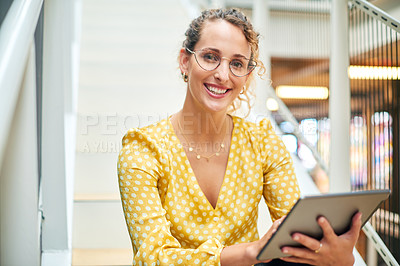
[169,219]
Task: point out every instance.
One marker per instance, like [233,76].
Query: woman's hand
[246,253]
[254,250]
[331,250]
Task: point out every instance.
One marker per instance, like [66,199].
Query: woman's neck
[203,126]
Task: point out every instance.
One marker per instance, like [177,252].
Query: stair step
[98,257]
[97,197]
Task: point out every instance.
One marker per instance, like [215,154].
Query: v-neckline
[225,179]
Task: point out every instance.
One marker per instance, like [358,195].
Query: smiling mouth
[216,91]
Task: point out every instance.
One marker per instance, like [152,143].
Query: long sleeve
[281,190]
[143,166]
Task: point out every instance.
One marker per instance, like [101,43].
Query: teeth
[216,90]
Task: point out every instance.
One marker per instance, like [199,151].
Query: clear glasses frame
[250,66]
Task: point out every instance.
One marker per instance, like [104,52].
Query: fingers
[262,241]
[355,226]
[300,254]
[306,254]
[280,220]
[308,242]
[273,229]
[276,224]
[330,248]
[327,229]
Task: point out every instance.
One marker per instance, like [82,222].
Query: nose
[222,72]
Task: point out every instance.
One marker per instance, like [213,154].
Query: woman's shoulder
[145,147]
[152,134]
[256,128]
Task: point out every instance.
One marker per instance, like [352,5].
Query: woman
[190,184]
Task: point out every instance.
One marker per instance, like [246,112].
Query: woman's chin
[217,108]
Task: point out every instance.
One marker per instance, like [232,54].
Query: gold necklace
[198,155]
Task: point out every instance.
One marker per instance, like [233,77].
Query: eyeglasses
[209,60]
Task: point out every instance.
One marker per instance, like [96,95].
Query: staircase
[128,77]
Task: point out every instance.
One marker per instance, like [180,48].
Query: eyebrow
[218,51]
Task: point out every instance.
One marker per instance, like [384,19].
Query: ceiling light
[302,92]
[373,72]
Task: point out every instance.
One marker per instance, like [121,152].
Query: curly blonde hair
[237,18]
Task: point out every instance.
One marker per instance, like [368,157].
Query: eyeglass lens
[209,60]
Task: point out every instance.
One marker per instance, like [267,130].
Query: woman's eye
[210,57]
[237,64]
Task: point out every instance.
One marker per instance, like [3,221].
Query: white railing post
[20,217]
[16,34]
[19,179]
[339,99]
[60,62]
[263,86]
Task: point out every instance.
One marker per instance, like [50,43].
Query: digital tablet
[338,208]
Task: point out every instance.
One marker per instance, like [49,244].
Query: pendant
[198,156]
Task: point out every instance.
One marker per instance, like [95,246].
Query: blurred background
[76,75]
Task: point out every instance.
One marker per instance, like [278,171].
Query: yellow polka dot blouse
[169,219]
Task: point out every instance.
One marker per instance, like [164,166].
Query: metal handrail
[16,36]
[379,245]
[392,23]
[377,13]
[288,116]
[277,5]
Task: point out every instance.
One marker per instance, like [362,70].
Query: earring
[185,77]
[242,91]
